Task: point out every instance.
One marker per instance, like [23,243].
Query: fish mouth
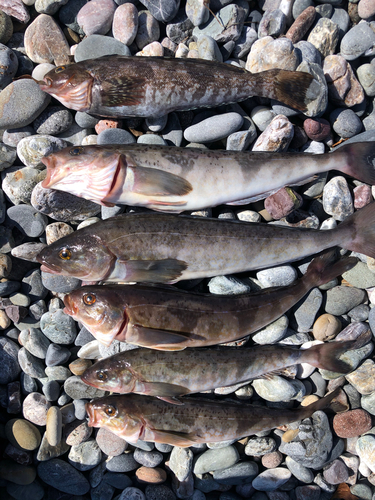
[86,381]
[46,269]
[91,415]
[70,307]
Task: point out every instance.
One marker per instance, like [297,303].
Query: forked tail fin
[327,356]
[358,231]
[307,411]
[290,87]
[324,268]
[357,160]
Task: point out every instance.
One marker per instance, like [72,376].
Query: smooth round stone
[352,423]
[277,276]
[359,276]
[51,390]
[148,458]
[8,61]
[9,365]
[19,299]
[85,456]
[54,426]
[27,220]
[267,53]
[272,333]
[77,432]
[20,103]
[85,120]
[366,9]
[58,327]
[262,117]
[96,17]
[216,459]
[77,389]
[317,129]
[148,29]
[227,285]
[367,402]
[33,148]
[95,46]
[115,136]
[7,156]
[299,471]
[122,463]
[363,378]
[181,462]
[59,283]
[357,41]
[53,120]
[197,12]
[232,19]
[41,70]
[22,434]
[57,355]
[272,460]
[151,139]
[57,230]
[155,476]
[35,408]
[162,12]
[271,479]
[207,48]
[326,327]
[240,473]
[132,493]
[62,476]
[6,27]
[35,342]
[336,472]
[32,491]
[366,77]
[109,443]
[337,200]
[17,473]
[279,389]
[345,123]
[118,481]
[341,299]
[125,23]
[214,128]
[305,311]
[30,364]
[45,42]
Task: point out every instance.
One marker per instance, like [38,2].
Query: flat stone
[212,460]
[27,220]
[341,299]
[97,46]
[96,17]
[9,365]
[240,473]
[271,479]
[214,128]
[63,477]
[30,364]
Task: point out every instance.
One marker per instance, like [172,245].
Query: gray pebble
[227,285]
[9,365]
[357,41]
[51,390]
[85,456]
[59,283]
[79,408]
[341,299]
[214,128]
[30,364]
[12,137]
[21,102]
[148,458]
[272,333]
[95,46]
[232,18]
[151,139]
[162,11]
[57,355]
[28,220]
[32,285]
[58,327]
[305,311]
[309,52]
[299,471]
[8,65]
[54,120]
[273,24]
[35,342]
[259,446]
[115,136]
[148,29]
[337,199]
[122,463]
[208,49]
[240,473]
[245,41]
[342,19]
[117,480]
[212,460]
[63,477]
[18,183]
[271,479]
[85,120]
[7,156]
[278,389]
[77,389]
[345,123]
[132,493]
[277,276]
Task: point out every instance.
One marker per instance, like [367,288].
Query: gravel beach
[47,450]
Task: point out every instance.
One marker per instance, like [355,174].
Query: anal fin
[155,271]
[163,390]
[152,338]
[174,438]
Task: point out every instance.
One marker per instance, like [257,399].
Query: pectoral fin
[155,271]
[122,91]
[172,401]
[155,182]
[157,339]
[164,391]
[174,438]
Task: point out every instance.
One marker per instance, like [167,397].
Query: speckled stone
[96,17]
[63,477]
[77,389]
[45,42]
[363,377]
[85,456]
[109,443]
[337,200]
[125,23]
[357,41]
[352,423]
[267,53]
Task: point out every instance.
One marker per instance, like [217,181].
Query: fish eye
[89,299]
[111,411]
[59,69]
[101,375]
[76,151]
[65,254]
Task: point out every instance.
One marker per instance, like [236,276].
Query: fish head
[71,85]
[85,171]
[80,254]
[110,374]
[99,309]
[118,418]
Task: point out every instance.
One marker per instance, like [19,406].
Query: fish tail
[357,232]
[327,356]
[289,87]
[324,269]
[322,403]
[357,160]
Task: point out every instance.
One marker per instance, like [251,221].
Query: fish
[166,248]
[120,86]
[168,375]
[172,179]
[172,319]
[194,421]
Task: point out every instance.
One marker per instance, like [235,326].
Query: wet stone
[85,456]
[58,327]
[63,477]
[109,443]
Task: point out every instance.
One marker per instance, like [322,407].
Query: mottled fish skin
[171,179]
[170,374]
[165,248]
[118,86]
[168,318]
[196,420]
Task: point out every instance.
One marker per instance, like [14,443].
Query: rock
[54,426]
[96,17]
[305,310]
[212,460]
[271,479]
[232,18]
[279,389]
[34,341]
[345,123]
[302,473]
[122,463]
[362,378]
[240,473]
[352,423]
[151,475]
[53,120]
[58,327]
[214,128]
[22,434]
[272,333]
[27,220]
[109,443]
[282,203]
[85,456]
[45,42]
[181,462]
[324,36]
[267,53]
[77,432]
[357,41]
[30,364]
[76,389]
[258,446]
[273,24]
[317,129]
[301,25]
[97,46]
[63,477]
[326,327]
[9,365]
[125,23]
[148,458]
[341,299]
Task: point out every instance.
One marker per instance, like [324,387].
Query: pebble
[337,200]
[148,458]
[96,17]
[122,463]
[271,479]
[276,137]
[357,41]
[27,220]
[109,443]
[240,473]
[301,25]
[97,46]
[30,364]
[58,327]
[77,432]
[326,327]
[181,462]
[63,477]
[302,473]
[77,389]
[9,365]
[214,128]
[45,42]
[35,342]
[54,426]
[53,121]
[23,434]
[272,333]
[277,276]
[324,36]
[259,446]
[365,449]
[366,9]
[35,408]
[125,23]
[317,129]
[232,18]
[304,312]
[282,203]
[362,378]
[273,24]
[212,460]
[132,493]
[352,423]
[267,53]
[345,123]
[85,456]
[341,299]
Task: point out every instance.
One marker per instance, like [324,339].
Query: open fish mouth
[50,270]
[92,421]
[70,307]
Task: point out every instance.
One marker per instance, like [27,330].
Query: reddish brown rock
[282,203]
[153,475]
[317,129]
[16,9]
[272,460]
[45,42]
[125,23]
[301,25]
[352,423]
[106,124]
[362,196]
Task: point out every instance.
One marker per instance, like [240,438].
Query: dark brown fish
[171,319]
[151,86]
[165,248]
[195,420]
[170,374]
